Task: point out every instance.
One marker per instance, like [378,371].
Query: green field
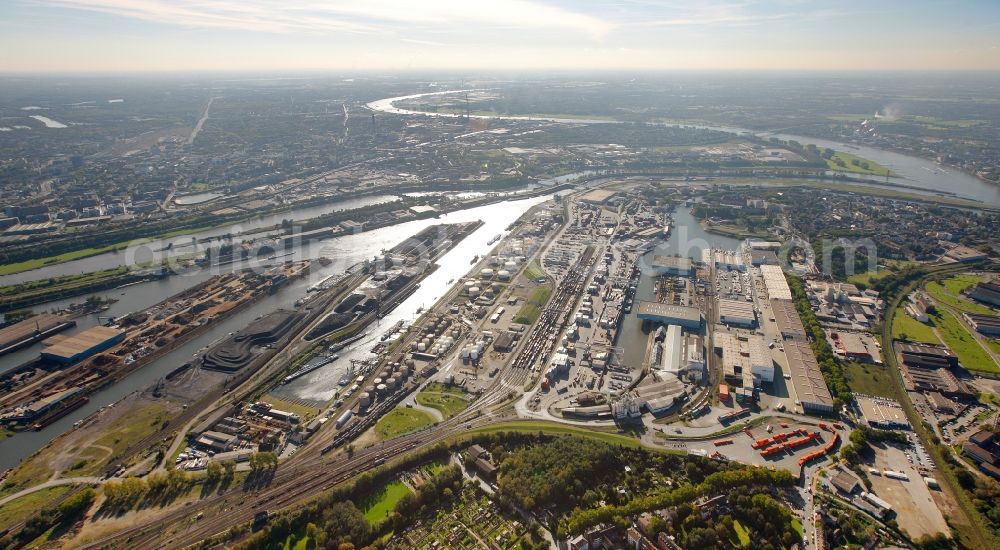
[885,268]
[949,292]
[401,421]
[533,307]
[123,432]
[19,509]
[848,159]
[908,328]
[870,379]
[381,502]
[970,354]
[450,400]
[534,271]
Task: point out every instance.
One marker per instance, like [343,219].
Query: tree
[213,472]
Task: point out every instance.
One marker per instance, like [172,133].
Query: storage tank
[421,347]
[377,381]
[503,275]
[392,383]
[370,389]
[381,388]
[364,399]
[510,265]
[474,291]
[487,273]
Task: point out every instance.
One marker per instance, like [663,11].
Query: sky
[248,35]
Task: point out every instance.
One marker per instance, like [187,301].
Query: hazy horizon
[126,36]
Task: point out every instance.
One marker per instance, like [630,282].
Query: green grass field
[887,267]
[383,501]
[906,327]
[870,379]
[848,159]
[401,421]
[533,307]
[949,291]
[534,271]
[970,354]
[19,509]
[449,400]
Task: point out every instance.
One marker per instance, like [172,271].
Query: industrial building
[673,266]
[71,349]
[31,330]
[988,325]
[775,283]
[729,260]
[763,257]
[667,314]
[881,413]
[787,318]
[988,293]
[681,353]
[982,447]
[598,196]
[807,379]
[926,356]
[737,313]
[745,358]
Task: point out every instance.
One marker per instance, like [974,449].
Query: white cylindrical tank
[487,273]
[474,291]
[381,388]
[421,347]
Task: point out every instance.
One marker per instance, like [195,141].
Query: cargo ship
[496,238]
[309,367]
[392,330]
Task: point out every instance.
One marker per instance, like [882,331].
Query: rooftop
[810,387]
[80,343]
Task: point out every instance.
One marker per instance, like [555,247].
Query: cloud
[351,16]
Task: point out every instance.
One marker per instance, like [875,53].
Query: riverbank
[25,295]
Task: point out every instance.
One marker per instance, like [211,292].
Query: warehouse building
[71,349]
[787,319]
[667,314]
[881,413]
[745,358]
[926,356]
[673,266]
[775,283]
[988,325]
[763,257]
[810,387]
[988,293]
[729,260]
[737,313]
[681,353]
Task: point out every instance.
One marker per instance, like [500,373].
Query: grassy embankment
[400,421]
[450,400]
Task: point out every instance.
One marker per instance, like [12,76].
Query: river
[920,173]
[182,245]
